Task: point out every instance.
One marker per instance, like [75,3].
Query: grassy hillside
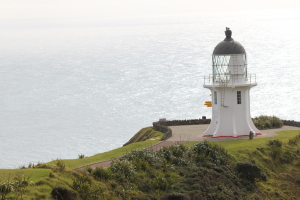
[145,134]
[74,163]
[262,168]
[31,173]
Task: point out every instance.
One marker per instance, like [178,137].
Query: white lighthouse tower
[230,85]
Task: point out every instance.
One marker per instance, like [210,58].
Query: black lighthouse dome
[229,45]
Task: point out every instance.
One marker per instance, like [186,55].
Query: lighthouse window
[239,97]
[215,97]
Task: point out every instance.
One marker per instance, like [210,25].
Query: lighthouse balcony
[230,80]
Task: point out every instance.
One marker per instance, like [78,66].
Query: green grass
[236,145]
[240,148]
[34,174]
[74,163]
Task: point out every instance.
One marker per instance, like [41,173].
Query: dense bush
[250,171]
[267,122]
[62,193]
[294,140]
[86,188]
[101,173]
[274,143]
[175,196]
[141,157]
[5,188]
[202,171]
[122,170]
[80,156]
[212,152]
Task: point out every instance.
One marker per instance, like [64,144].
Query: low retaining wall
[163,125]
[164,129]
[186,122]
[291,123]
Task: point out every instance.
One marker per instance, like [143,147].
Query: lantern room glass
[224,67]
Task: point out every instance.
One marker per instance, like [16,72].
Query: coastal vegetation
[263,168]
[266,122]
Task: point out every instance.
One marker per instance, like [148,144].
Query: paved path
[193,133]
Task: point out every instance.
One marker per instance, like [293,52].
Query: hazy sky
[84,9]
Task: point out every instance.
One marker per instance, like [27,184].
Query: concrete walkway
[193,133]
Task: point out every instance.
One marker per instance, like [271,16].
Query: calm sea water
[85,87]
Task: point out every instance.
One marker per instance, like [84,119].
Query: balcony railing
[230,79]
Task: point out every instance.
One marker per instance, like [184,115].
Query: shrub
[249,171]
[80,156]
[122,170]
[294,140]
[212,152]
[267,122]
[287,156]
[85,187]
[161,183]
[136,156]
[101,173]
[60,164]
[145,184]
[274,143]
[42,165]
[88,169]
[62,193]
[5,188]
[180,161]
[139,198]
[175,196]
[178,150]
[165,153]
[51,175]
[31,165]
[275,153]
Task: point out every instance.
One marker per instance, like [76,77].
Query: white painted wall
[232,119]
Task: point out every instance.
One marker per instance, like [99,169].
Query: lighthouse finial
[228,33]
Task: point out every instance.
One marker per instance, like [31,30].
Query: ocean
[70,87]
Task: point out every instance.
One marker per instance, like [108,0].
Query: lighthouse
[230,85]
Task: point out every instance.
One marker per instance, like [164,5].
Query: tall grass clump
[59,164]
[16,185]
[294,140]
[86,187]
[274,143]
[267,122]
[101,173]
[80,156]
[5,188]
